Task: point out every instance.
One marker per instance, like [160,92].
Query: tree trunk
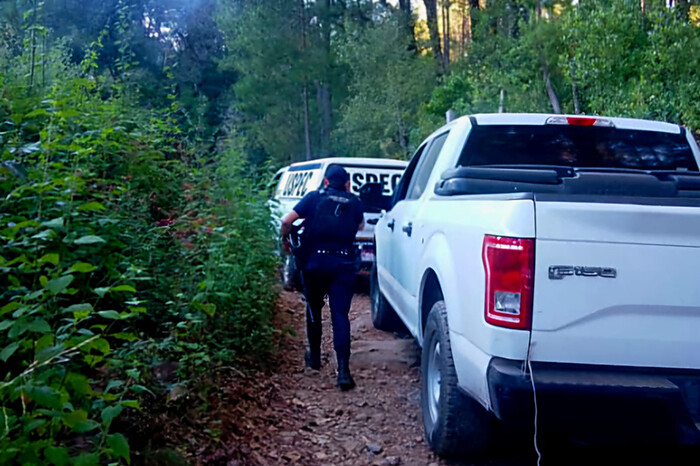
[305,89]
[431,11]
[307,123]
[33,57]
[551,92]
[574,89]
[446,31]
[473,9]
[406,22]
[324,103]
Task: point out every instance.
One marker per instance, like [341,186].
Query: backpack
[334,224]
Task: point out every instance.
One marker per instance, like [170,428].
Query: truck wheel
[383,315]
[455,425]
[290,274]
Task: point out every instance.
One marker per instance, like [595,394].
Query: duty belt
[339,252]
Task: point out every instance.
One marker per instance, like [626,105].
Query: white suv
[293,182]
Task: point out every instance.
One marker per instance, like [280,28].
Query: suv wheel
[383,315]
[455,425]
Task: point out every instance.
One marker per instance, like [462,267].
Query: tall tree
[432,16]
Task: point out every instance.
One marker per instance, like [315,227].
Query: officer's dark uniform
[331,266]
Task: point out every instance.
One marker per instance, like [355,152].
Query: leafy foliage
[123,243]
[381,114]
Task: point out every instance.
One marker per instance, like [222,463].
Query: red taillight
[580,121]
[509,264]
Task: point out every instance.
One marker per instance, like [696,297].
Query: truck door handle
[408,229]
[391,224]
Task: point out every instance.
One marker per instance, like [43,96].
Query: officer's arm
[362,225]
[287,222]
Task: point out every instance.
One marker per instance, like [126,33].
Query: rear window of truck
[577,146]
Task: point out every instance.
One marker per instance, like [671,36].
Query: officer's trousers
[338,282]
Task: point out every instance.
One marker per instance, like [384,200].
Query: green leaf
[82,267]
[9,307]
[141,389]
[47,353]
[5,324]
[19,327]
[69,113]
[43,235]
[79,384]
[38,112]
[101,345]
[54,223]
[101,292]
[44,396]
[8,351]
[59,285]
[93,359]
[131,404]
[39,326]
[44,342]
[119,445]
[110,315]
[125,336]
[79,308]
[86,459]
[111,412]
[57,455]
[78,421]
[113,384]
[33,425]
[128,288]
[51,258]
[89,239]
[91,206]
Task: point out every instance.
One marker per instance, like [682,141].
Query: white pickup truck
[547,255]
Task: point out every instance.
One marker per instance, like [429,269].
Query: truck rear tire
[383,315]
[455,425]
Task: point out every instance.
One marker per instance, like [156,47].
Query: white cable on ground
[534,396]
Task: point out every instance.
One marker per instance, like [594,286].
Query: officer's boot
[345,381]
[313,358]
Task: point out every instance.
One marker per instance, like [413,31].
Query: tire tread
[463,427]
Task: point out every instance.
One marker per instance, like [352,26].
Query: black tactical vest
[334,224]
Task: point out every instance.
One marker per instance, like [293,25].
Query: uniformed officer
[332,216]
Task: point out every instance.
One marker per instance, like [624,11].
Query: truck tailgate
[617,284]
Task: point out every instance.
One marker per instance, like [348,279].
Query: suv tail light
[509,264]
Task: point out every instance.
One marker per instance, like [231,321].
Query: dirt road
[306,420]
[292,415]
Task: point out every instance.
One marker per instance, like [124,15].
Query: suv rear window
[577,146]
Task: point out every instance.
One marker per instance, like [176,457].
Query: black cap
[337,176]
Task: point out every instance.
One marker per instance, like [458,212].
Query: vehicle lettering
[388,180]
[558,272]
[297,184]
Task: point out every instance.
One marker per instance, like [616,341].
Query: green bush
[120,248]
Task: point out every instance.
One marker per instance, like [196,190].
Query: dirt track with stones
[308,421]
[293,415]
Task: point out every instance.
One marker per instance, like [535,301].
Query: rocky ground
[293,415]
